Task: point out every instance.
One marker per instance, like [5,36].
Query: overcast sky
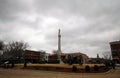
[87,26]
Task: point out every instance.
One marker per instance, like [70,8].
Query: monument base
[61,62]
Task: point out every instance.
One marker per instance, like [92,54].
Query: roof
[75,53]
[31,51]
[115,42]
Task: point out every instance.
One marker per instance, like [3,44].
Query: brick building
[40,56]
[115,50]
[65,56]
[34,56]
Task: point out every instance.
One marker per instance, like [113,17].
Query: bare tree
[1,45]
[107,55]
[14,49]
[55,51]
[1,49]
[107,59]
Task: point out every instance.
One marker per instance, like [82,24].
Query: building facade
[115,51]
[42,57]
[77,56]
[66,56]
[34,56]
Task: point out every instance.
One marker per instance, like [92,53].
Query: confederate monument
[59,47]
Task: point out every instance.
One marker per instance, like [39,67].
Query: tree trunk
[25,64]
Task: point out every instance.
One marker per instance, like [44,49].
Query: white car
[118,65]
[6,62]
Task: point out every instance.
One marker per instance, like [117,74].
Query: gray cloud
[86,25]
[11,10]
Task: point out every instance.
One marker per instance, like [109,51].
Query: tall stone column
[59,41]
[59,46]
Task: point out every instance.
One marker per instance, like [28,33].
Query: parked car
[6,62]
[118,65]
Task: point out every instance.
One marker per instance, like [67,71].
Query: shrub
[74,68]
[87,68]
[80,63]
[53,62]
[96,68]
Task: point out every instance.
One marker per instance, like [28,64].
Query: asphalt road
[23,73]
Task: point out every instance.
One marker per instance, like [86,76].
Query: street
[24,73]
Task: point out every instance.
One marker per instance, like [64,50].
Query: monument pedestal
[61,62]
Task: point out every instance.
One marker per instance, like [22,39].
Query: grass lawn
[59,65]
